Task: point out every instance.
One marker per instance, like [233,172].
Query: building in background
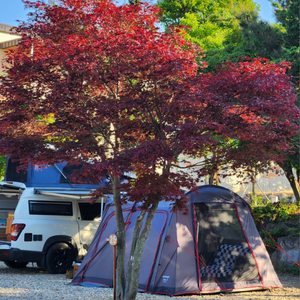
[7,41]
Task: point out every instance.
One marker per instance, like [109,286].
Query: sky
[12,10]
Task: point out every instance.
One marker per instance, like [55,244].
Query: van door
[10,193]
[89,217]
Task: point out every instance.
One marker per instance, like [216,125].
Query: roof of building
[7,39]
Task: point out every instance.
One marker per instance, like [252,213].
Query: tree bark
[214,178]
[132,277]
[121,245]
[127,286]
[294,182]
[135,237]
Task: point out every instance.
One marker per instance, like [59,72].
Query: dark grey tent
[215,248]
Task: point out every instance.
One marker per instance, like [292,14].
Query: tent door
[223,251]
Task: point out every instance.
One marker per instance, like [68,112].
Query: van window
[89,211]
[52,208]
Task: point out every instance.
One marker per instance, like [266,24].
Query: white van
[52,227]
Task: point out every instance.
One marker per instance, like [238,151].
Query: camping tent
[215,248]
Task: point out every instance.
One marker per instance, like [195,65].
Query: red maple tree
[97,83]
[260,116]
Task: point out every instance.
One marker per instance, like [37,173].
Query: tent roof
[214,193]
[206,193]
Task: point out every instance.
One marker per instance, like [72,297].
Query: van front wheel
[59,258]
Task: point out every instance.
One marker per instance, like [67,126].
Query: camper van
[51,226]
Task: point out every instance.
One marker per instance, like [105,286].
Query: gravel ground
[34,283]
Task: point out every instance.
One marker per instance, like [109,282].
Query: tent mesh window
[224,253]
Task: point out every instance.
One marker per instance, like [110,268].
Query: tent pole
[101,213]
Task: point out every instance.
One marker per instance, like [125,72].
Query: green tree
[2,166]
[287,13]
[278,42]
[213,25]
[229,30]
[261,39]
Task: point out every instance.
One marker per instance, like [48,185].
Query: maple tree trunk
[214,178]
[127,286]
[294,182]
[120,248]
[138,242]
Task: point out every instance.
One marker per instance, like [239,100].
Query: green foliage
[174,11]
[287,12]
[228,30]
[132,2]
[2,166]
[295,270]
[275,212]
[258,200]
[213,25]
[261,38]
[294,232]
[275,234]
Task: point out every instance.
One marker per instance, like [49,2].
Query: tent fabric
[214,248]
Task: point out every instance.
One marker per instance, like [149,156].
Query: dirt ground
[290,291]
[34,283]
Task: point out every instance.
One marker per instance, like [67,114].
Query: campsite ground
[34,283]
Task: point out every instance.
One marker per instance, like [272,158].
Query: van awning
[78,194]
[66,193]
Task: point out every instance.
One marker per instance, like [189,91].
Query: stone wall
[291,247]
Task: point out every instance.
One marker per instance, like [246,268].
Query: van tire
[59,258]
[15,264]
